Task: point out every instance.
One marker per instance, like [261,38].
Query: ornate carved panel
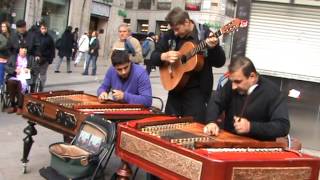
[168,159]
[274,173]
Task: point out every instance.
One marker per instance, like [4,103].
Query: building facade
[87,15]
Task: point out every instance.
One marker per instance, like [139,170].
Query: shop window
[129,4]
[164,5]
[143,26]
[193,5]
[161,27]
[12,11]
[55,15]
[144,4]
[128,21]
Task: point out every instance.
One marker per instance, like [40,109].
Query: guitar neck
[202,45]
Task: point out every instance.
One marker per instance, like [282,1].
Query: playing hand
[241,125]
[103,96]
[117,95]
[211,129]
[170,56]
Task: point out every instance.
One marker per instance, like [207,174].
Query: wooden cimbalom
[64,111]
[175,148]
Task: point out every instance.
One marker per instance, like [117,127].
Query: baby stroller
[86,156]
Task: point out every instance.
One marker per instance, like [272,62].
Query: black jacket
[266,110]
[10,68]
[4,53]
[27,38]
[94,46]
[66,46]
[47,49]
[215,58]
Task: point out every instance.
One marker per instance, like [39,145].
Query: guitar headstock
[233,25]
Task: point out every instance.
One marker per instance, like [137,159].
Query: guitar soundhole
[183,59]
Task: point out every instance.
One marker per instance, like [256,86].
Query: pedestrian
[65,49]
[75,35]
[129,43]
[83,49]
[47,53]
[94,47]
[4,52]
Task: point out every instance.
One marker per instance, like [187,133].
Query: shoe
[56,71]
[75,64]
[19,111]
[85,74]
[11,110]
[93,74]
[69,71]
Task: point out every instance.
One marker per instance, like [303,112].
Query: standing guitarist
[191,100]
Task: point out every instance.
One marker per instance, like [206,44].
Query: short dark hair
[177,16]
[21,23]
[119,57]
[243,63]
[43,24]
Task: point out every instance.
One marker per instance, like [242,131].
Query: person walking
[83,49]
[4,52]
[47,53]
[94,47]
[65,48]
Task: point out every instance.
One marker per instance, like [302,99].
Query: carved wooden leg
[30,131]
[124,172]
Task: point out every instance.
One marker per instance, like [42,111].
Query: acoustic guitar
[175,75]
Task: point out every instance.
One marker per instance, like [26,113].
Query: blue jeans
[92,59]
[2,65]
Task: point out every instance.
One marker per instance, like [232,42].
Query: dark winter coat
[28,39]
[4,53]
[47,49]
[66,44]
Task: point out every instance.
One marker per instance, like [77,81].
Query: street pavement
[11,126]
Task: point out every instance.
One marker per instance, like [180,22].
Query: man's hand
[211,129]
[213,41]
[241,125]
[103,96]
[170,56]
[117,95]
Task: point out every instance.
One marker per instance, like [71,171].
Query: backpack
[145,48]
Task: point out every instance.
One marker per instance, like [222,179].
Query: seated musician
[126,81]
[253,105]
[21,71]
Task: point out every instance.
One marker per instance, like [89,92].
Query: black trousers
[188,102]
[14,91]
[148,64]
